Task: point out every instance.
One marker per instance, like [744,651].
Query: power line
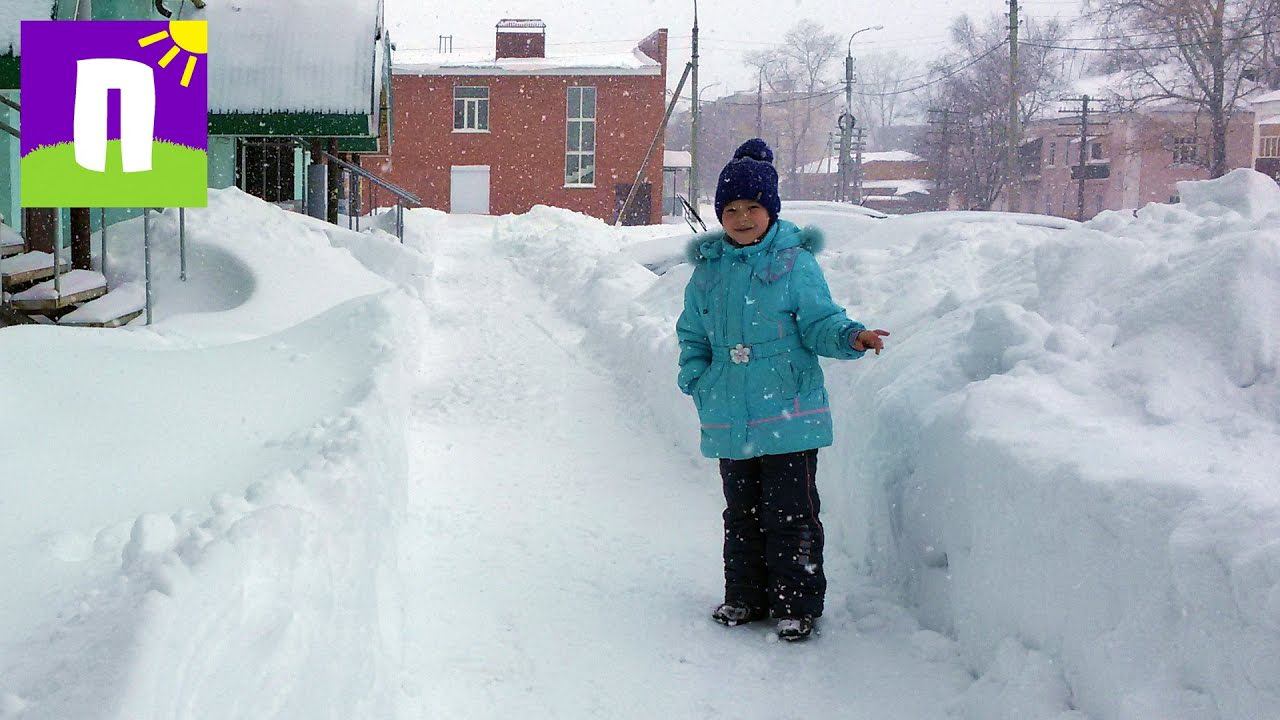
[1173,46]
[1157,33]
[946,75]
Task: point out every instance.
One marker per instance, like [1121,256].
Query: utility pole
[941,139]
[760,105]
[693,121]
[859,143]
[847,121]
[1083,171]
[845,124]
[1084,156]
[1011,152]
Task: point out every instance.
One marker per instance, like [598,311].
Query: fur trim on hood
[708,245]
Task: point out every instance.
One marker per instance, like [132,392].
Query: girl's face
[745,221]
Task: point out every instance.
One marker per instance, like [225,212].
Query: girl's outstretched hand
[870,340]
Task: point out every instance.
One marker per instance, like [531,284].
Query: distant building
[1131,159]
[675,182]
[1266,134]
[503,132]
[894,181]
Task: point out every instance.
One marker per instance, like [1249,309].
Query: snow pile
[1066,460]
[269,393]
[8,236]
[254,268]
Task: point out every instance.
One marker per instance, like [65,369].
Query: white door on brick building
[469,189]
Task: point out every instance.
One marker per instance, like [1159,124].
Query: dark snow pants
[772,535]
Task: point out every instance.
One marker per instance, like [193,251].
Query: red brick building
[502,133]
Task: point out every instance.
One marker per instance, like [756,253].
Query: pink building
[1266,134]
[1134,159]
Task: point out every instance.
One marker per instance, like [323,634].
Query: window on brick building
[471,108]
[1053,154]
[1186,151]
[1269,147]
[1095,150]
[580,140]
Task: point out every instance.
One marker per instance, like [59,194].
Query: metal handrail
[402,196]
[389,187]
[6,126]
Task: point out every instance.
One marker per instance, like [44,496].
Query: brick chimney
[521,38]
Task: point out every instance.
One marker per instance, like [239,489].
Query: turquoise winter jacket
[755,321]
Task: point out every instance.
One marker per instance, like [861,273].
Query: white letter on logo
[136,83]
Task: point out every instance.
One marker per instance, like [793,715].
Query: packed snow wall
[1065,459]
[215,526]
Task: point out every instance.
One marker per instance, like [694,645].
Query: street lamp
[847,120]
[849,50]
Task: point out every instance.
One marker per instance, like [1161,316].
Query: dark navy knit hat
[750,176]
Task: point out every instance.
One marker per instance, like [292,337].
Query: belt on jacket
[743,353]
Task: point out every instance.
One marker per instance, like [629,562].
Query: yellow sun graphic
[189,35]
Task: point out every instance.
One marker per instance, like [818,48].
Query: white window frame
[1269,146]
[471,107]
[583,119]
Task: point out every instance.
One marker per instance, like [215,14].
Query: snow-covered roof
[520,25]
[1273,120]
[430,62]
[901,187]
[292,55]
[1273,96]
[832,164]
[677,159]
[12,13]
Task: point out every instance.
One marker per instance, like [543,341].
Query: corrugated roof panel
[268,56]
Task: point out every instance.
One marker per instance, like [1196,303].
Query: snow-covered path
[561,557]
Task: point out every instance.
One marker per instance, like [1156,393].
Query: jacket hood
[713,243]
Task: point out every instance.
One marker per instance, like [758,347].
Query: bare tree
[1198,52]
[972,81]
[796,74]
[880,96]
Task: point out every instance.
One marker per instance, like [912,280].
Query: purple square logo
[115,114]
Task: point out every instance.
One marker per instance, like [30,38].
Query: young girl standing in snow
[757,314]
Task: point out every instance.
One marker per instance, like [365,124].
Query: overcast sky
[727,29]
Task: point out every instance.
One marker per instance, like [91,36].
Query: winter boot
[736,613]
[793,629]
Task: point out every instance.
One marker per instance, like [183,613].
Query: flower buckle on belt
[740,354]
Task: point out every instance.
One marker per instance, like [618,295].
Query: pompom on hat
[750,175]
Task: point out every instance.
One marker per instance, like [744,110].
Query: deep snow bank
[1067,457]
[270,392]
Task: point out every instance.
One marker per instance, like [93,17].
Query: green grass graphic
[178,178]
